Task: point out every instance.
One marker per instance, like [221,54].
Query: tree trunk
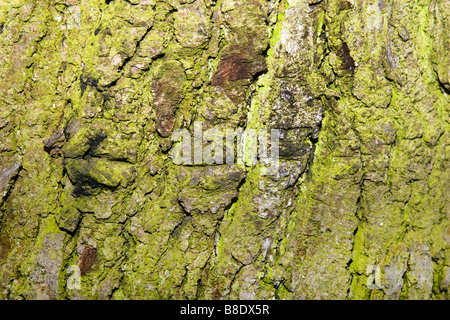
[93,206]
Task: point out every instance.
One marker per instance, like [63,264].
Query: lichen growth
[90,93]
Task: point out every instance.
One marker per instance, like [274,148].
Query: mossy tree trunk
[91,91]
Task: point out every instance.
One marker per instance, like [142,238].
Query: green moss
[351,218]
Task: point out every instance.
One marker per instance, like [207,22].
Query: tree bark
[92,91]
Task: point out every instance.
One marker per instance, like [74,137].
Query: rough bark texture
[90,92]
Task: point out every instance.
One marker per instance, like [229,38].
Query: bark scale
[90,93]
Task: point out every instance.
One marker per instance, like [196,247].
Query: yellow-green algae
[359,209]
